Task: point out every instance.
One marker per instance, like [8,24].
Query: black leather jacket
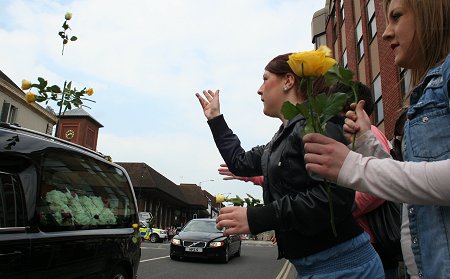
[296,206]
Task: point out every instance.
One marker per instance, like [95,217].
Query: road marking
[284,271]
[154,259]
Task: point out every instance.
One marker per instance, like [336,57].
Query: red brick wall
[390,85]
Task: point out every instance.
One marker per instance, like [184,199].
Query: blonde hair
[432,20]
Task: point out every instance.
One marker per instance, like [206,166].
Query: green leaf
[73,38]
[318,103]
[42,83]
[309,128]
[40,98]
[334,105]
[331,79]
[54,89]
[335,70]
[346,74]
[65,25]
[303,109]
[289,110]
[69,85]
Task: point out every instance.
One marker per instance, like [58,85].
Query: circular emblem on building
[70,134]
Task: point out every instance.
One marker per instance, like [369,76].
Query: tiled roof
[79,112]
[211,198]
[194,195]
[8,87]
[144,176]
[8,80]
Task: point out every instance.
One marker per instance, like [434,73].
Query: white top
[407,182]
[424,183]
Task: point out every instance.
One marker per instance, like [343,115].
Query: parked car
[152,234]
[158,235]
[201,239]
[65,211]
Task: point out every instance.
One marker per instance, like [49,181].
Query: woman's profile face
[272,94]
[401,34]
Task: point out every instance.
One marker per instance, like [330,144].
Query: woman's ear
[289,80]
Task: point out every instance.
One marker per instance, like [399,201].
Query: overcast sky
[147,59]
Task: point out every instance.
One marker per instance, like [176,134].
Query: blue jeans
[355,258]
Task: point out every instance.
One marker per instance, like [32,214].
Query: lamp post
[209,201]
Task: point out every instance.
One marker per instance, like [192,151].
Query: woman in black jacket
[296,206]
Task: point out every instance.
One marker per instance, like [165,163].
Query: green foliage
[319,109]
[249,201]
[66,99]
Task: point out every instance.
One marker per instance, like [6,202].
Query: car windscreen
[80,192]
[201,226]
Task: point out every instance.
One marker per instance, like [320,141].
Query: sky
[146,60]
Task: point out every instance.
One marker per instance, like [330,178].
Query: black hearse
[65,211]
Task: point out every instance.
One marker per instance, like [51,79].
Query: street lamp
[208,180]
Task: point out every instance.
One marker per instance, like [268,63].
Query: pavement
[258,242]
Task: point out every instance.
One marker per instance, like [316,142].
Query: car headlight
[216,244]
[176,241]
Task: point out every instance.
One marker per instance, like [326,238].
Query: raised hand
[223,170]
[234,218]
[324,156]
[357,121]
[257,180]
[210,103]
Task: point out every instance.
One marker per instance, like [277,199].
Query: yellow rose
[135,226]
[31,97]
[90,91]
[220,198]
[68,16]
[311,63]
[26,84]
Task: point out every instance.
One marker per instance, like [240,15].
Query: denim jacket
[427,138]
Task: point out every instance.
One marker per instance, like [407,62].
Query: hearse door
[15,260]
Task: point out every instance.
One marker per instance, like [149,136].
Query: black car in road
[201,239]
[65,211]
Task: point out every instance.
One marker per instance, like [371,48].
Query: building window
[9,113]
[344,59]
[371,22]
[333,14]
[378,98]
[405,81]
[341,12]
[359,39]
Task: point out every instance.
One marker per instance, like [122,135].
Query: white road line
[287,271]
[154,259]
[284,271]
[280,275]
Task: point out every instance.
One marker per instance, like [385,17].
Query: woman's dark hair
[280,67]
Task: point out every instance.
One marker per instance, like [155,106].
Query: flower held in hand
[311,63]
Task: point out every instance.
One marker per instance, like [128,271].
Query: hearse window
[79,192]
[12,206]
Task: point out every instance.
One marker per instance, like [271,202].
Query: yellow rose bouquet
[67,96]
[320,108]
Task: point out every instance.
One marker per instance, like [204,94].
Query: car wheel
[154,238]
[119,273]
[238,253]
[226,256]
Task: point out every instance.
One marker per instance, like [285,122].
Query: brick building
[353,30]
